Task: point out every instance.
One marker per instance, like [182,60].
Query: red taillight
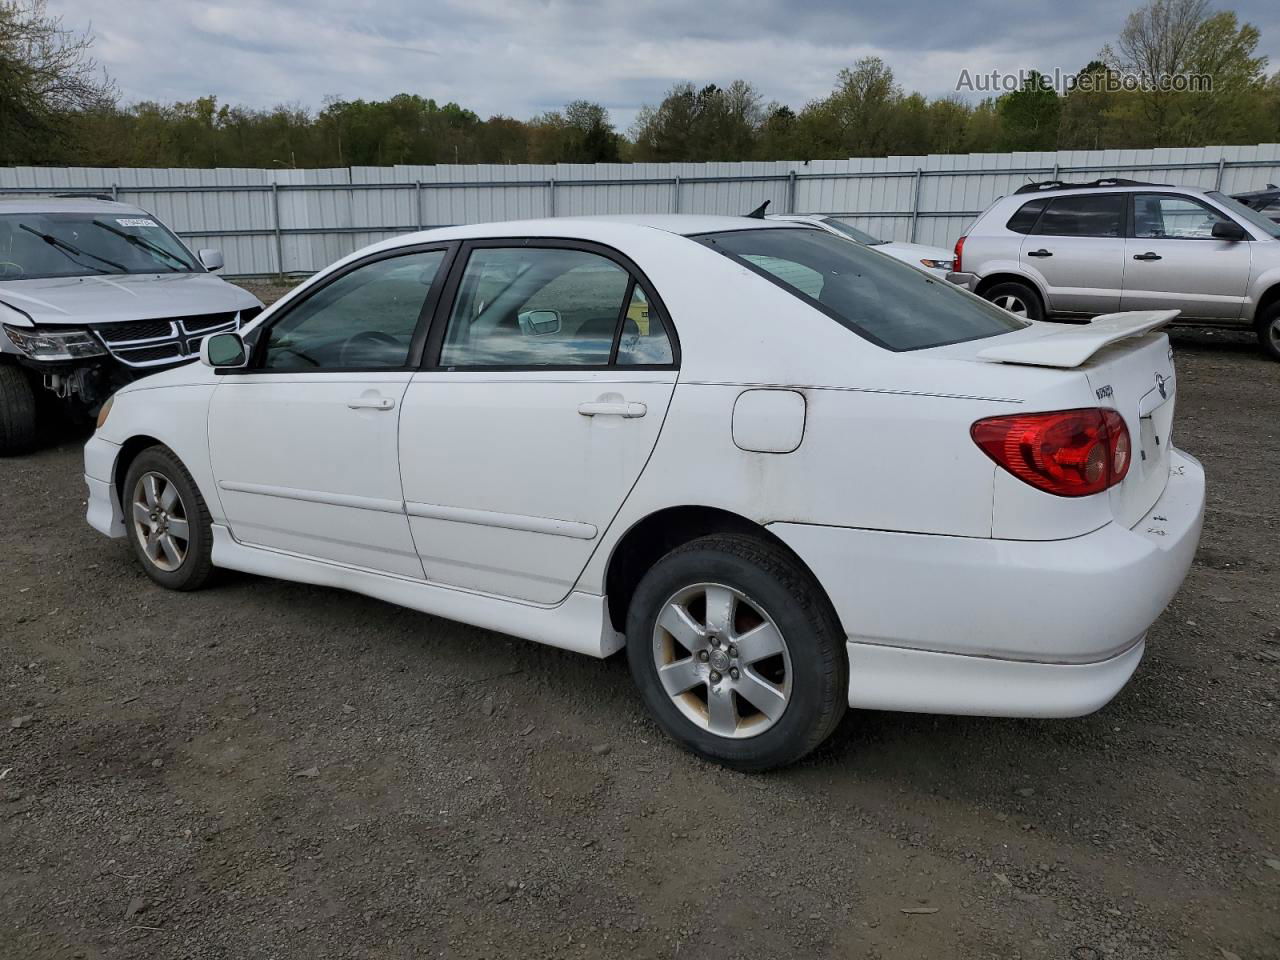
[1069,453]
[959,251]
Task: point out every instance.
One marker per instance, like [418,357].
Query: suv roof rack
[1094,185]
[85,195]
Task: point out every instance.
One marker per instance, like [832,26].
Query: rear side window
[529,307]
[1088,215]
[1027,215]
[884,300]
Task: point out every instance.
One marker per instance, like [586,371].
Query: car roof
[683,224]
[602,229]
[798,217]
[39,204]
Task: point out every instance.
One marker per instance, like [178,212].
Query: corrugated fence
[269,222]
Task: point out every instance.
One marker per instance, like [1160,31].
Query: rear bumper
[1003,627]
[921,681]
[967,280]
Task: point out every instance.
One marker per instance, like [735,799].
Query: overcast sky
[520,57]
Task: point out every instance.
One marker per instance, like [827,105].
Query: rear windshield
[884,300]
[84,244]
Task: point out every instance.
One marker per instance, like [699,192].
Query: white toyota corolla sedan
[786,473]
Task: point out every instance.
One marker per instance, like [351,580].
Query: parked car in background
[1266,202]
[786,473]
[94,294]
[1060,251]
[936,260]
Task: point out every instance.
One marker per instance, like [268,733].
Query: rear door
[1076,249]
[547,379]
[1173,261]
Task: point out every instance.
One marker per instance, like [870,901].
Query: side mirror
[1228,230]
[211,259]
[223,350]
[539,323]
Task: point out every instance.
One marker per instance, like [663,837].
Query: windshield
[1255,217]
[853,232]
[879,298]
[34,245]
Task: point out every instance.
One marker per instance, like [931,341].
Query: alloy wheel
[722,660]
[1015,305]
[160,521]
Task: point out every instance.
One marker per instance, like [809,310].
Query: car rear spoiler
[1070,346]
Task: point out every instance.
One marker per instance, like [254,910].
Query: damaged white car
[93,295]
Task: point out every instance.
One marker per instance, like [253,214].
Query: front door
[303,443]
[1173,260]
[1076,248]
[544,395]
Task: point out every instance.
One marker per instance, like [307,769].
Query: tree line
[58,107]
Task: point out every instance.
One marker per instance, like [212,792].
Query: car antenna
[758,212]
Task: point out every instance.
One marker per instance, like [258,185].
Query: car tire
[763,712]
[1269,331]
[1018,298]
[17,411]
[161,503]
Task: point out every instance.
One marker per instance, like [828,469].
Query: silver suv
[94,294]
[1062,251]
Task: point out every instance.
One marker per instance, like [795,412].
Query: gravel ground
[267,770]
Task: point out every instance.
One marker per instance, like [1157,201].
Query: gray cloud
[520,57]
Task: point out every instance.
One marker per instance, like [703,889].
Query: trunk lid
[1129,367]
[1136,379]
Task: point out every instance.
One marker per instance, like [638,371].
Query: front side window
[886,301]
[546,307]
[364,320]
[34,245]
[1086,215]
[1258,218]
[1163,217]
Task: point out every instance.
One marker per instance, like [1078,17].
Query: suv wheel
[1018,298]
[17,411]
[1269,331]
[736,653]
[169,525]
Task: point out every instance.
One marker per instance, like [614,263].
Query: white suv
[93,295]
[1060,251]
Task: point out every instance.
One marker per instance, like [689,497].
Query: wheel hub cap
[722,661]
[160,521]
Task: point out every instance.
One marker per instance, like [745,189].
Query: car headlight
[105,411]
[54,344]
[938,264]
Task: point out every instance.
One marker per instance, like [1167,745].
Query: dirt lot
[272,770]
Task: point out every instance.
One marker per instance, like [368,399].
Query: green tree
[1029,117]
[46,72]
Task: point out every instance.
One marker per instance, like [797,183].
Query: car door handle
[1147,256]
[600,408]
[1040,253]
[371,403]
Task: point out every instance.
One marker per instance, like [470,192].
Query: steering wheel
[9,269]
[365,336]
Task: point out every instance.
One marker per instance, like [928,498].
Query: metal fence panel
[297,221]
